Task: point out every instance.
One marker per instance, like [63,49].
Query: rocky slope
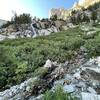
[81,80]
[45,27]
[79,76]
[2,22]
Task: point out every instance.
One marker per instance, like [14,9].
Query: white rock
[81,85]
[93,64]
[91,90]
[77,75]
[11,94]
[2,37]
[97,70]
[11,36]
[54,29]
[59,82]
[36,98]
[44,32]
[39,97]
[22,86]
[48,64]
[91,61]
[89,96]
[98,61]
[65,27]
[70,25]
[91,32]
[69,88]
[28,88]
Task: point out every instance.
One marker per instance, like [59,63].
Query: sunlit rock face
[65,13]
[76,6]
[86,3]
[60,12]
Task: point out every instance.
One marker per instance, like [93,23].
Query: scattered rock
[83,49]
[70,25]
[2,37]
[81,85]
[86,28]
[36,98]
[77,75]
[64,27]
[91,90]
[69,88]
[48,64]
[89,96]
[84,81]
[91,32]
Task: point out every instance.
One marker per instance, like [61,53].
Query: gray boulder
[89,96]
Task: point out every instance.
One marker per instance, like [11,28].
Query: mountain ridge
[87,3]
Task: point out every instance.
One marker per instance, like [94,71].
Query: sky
[38,8]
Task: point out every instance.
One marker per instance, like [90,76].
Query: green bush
[22,19]
[18,20]
[41,71]
[58,94]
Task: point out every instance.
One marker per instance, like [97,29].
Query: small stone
[66,63]
[59,82]
[81,85]
[83,49]
[22,86]
[69,88]
[32,98]
[77,76]
[39,97]
[48,64]
[10,93]
[28,88]
[98,61]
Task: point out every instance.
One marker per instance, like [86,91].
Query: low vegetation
[21,58]
[18,20]
[58,94]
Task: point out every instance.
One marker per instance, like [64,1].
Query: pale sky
[39,8]
[8,6]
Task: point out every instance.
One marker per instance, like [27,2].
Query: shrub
[18,20]
[41,71]
[93,47]
[22,68]
[58,94]
[22,19]
[54,17]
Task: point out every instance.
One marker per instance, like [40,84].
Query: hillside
[22,59]
[51,59]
